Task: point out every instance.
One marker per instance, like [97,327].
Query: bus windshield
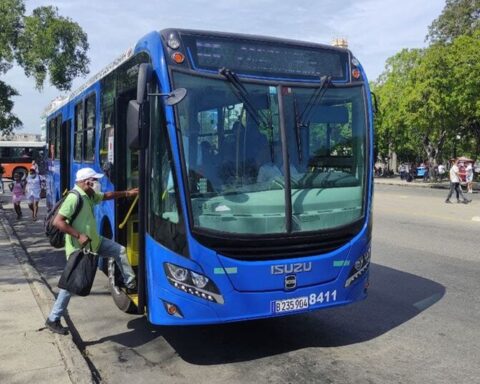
[236,160]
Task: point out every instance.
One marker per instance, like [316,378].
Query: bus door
[65,145]
[127,173]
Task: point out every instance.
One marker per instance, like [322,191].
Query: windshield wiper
[301,120]
[298,128]
[241,92]
[317,95]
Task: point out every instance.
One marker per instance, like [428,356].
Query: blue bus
[253,156]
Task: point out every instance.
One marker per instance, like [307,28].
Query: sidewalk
[418,183]
[30,353]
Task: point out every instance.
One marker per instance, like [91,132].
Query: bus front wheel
[120,298]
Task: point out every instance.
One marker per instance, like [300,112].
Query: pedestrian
[33,189]
[34,165]
[401,171]
[441,171]
[18,193]
[83,232]
[455,185]
[469,178]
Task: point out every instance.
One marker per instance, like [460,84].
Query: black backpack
[54,235]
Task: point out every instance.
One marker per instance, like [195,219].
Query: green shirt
[84,222]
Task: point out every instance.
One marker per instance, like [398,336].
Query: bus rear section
[259,191]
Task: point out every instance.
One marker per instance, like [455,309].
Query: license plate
[289,305]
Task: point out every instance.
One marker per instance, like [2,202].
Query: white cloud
[375,29]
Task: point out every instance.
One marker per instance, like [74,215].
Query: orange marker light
[356,73]
[178,57]
[171,309]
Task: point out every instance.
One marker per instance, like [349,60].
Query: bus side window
[107,125]
[78,132]
[89,133]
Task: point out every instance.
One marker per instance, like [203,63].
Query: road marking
[476,218]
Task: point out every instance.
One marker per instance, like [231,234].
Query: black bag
[55,236]
[79,272]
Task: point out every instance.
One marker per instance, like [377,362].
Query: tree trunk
[434,149]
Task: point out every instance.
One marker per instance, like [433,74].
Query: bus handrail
[129,213]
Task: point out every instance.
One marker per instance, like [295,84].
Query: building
[23,137]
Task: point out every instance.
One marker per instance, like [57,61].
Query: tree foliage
[44,44]
[459,17]
[428,99]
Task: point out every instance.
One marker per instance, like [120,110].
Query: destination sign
[266,59]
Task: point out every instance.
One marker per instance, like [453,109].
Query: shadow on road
[394,298]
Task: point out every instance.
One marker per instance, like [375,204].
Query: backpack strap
[78,205]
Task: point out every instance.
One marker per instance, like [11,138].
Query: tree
[393,132]
[464,61]
[459,17]
[43,43]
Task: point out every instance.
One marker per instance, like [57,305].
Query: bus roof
[22,144]
[60,101]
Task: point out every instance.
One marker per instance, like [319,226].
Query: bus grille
[273,248]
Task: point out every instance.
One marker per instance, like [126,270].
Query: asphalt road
[420,323]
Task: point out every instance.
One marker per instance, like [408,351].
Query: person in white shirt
[441,171]
[33,189]
[272,169]
[455,185]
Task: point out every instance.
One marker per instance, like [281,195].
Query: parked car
[421,171]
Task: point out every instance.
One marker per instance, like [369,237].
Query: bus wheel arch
[22,170]
[119,296]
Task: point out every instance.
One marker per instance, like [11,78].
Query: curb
[77,367]
[410,185]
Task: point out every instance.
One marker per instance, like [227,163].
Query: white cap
[87,173]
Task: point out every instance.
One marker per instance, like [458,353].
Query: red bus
[17,156]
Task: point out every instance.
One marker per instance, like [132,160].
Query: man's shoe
[466,201]
[130,288]
[448,201]
[131,285]
[129,291]
[56,327]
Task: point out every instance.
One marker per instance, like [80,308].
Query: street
[420,323]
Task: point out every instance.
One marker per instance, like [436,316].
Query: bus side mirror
[133,125]
[135,115]
[144,77]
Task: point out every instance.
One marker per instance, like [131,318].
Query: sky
[375,30]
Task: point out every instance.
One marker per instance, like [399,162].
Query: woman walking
[34,187]
[18,193]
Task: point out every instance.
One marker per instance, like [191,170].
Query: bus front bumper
[171,307]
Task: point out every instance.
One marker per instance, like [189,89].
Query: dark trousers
[456,187]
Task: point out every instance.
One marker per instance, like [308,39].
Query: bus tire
[23,171]
[120,298]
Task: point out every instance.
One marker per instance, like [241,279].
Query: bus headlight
[359,268]
[192,283]
[178,273]
[200,281]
